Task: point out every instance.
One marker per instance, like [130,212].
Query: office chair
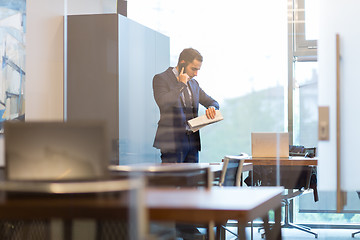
[180,176]
[230,176]
[354,233]
[295,179]
[231,172]
[286,202]
[307,174]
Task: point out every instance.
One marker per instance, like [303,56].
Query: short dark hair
[189,54]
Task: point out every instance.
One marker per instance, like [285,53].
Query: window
[262,69]
[236,38]
[305,105]
[305,27]
[304,65]
[303,79]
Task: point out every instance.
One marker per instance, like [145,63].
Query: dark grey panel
[111,63]
[92,70]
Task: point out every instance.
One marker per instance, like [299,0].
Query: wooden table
[216,167]
[163,204]
[293,173]
[100,200]
[218,205]
[290,168]
[156,173]
[67,200]
[290,161]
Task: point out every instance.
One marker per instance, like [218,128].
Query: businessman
[178,96]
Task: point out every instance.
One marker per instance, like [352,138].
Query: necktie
[188,104]
[187,97]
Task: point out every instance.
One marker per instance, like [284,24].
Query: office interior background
[270,64]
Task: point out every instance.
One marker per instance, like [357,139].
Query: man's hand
[210,113]
[183,77]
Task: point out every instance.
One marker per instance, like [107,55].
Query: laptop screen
[55,151]
[270,144]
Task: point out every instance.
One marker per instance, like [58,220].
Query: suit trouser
[189,153]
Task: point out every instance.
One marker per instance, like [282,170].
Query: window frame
[299,50]
[302,47]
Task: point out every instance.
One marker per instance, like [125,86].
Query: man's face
[193,68]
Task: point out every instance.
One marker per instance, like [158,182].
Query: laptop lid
[55,151]
[269,144]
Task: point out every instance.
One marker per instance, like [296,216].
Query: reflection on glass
[325,210]
[12,50]
[245,67]
[244,73]
[305,104]
[311,19]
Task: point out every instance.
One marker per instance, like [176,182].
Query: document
[196,123]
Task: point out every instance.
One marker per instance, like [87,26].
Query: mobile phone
[181,66]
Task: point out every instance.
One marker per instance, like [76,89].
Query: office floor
[293,234]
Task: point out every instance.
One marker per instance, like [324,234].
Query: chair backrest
[231,172]
[56,151]
[171,175]
[119,206]
[182,177]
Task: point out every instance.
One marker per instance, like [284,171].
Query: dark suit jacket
[171,132]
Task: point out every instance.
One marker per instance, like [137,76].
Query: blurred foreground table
[218,204]
[173,174]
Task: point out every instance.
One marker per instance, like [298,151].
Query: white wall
[339,17]
[44,60]
[44,85]
[91,6]
[45,54]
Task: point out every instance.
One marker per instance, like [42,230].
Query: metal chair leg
[287,224]
[354,233]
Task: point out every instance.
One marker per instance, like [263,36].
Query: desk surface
[291,161]
[168,167]
[218,204]
[217,167]
[164,204]
[68,200]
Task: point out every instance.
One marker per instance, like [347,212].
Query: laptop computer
[55,151]
[269,144]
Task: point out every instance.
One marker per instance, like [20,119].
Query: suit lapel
[171,76]
[192,85]
[173,82]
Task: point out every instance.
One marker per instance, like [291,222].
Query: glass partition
[230,36]
[246,54]
[305,103]
[315,79]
